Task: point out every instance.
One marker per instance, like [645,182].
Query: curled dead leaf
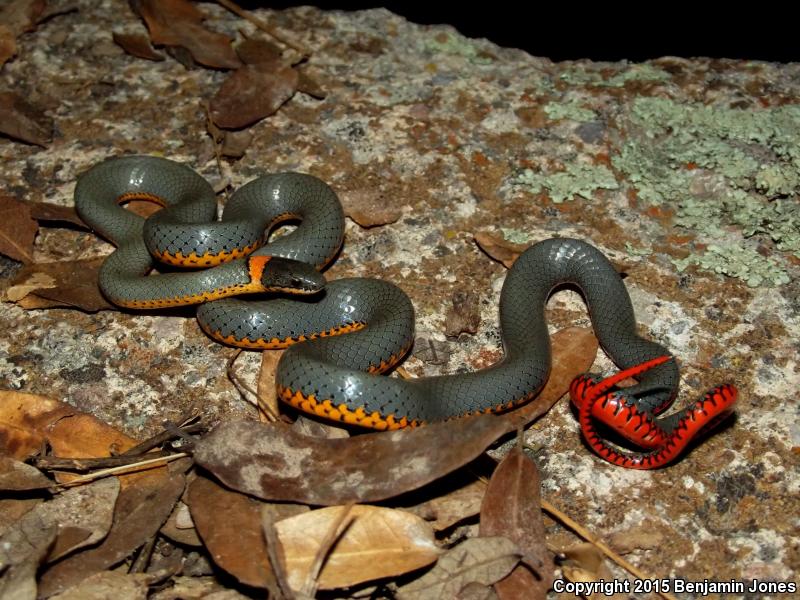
[137,45]
[484,560]
[251,93]
[235,543]
[23,121]
[18,476]
[17,229]
[17,17]
[180,527]
[110,584]
[456,505]
[379,542]
[141,509]
[179,24]
[512,509]
[70,284]
[498,248]
[28,422]
[83,515]
[273,461]
[464,314]
[369,208]
[47,211]
[265,385]
[21,552]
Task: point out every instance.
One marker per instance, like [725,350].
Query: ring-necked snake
[334,375]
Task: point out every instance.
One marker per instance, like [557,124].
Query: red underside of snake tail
[640,427]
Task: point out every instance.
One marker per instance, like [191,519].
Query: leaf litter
[285,472]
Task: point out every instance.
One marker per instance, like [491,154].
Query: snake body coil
[334,376]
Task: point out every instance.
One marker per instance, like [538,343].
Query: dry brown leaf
[28,421]
[17,476]
[476,591]
[8,44]
[141,509]
[197,588]
[482,560]
[307,84]
[70,284]
[18,292]
[81,515]
[17,229]
[22,121]
[464,315]
[251,93]
[574,351]
[498,248]
[512,509]
[47,211]
[369,208]
[179,23]
[137,45]
[236,143]
[235,542]
[16,17]
[274,462]
[178,529]
[265,384]
[21,552]
[456,505]
[585,563]
[108,585]
[642,537]
[256,51]
[379,542]
[13,509]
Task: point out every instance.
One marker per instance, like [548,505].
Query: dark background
[565,30]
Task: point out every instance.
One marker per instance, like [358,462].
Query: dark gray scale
[182,229]
[304,196]
[188,225]
[337,364]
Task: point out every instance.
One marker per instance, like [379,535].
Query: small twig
[57,463]
[234,378]
[143,558]
[403,373]
[169,433]
[335,531]
[264,26]
[275,553]
[132,468]
[245,389]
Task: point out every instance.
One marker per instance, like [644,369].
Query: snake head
[278,274]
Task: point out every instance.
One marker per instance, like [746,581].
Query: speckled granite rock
[686,172]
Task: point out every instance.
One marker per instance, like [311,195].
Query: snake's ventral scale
[337,376]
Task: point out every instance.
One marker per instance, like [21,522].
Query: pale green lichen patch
[572,110]
[515,236]
[740,262]
[456,45]
[635,251]
[577,179]
[725,170]
[579,75]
